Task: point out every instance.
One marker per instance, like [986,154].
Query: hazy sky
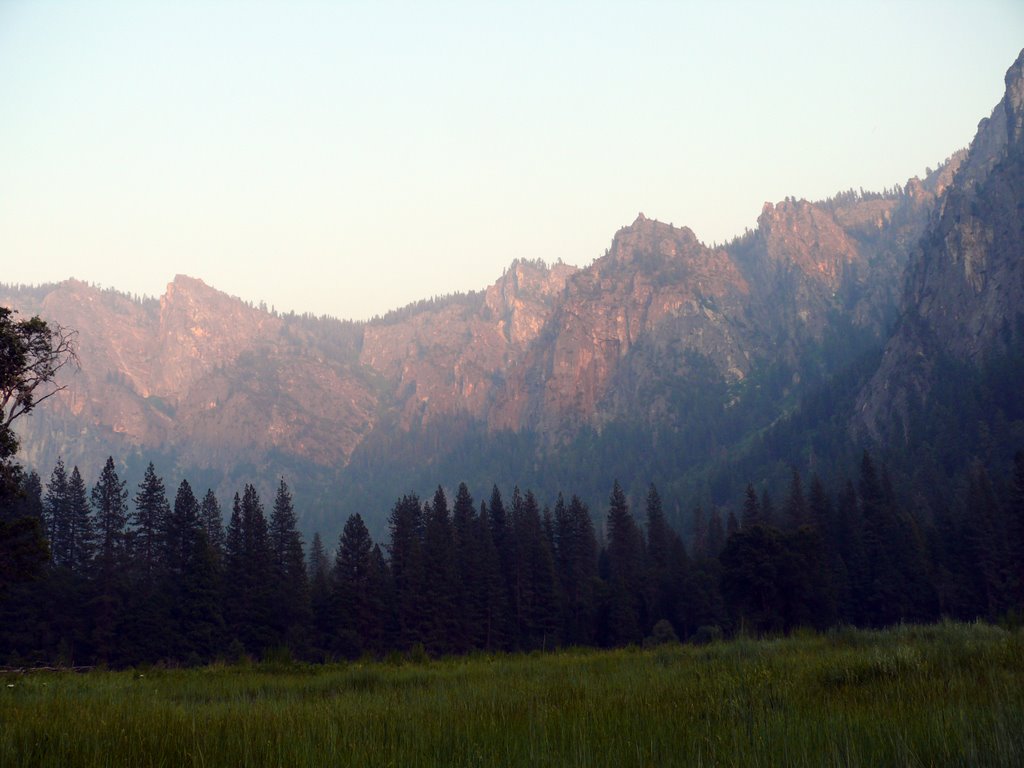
[350,157]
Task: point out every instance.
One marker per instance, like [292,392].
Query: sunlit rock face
[453,358]
[198,373]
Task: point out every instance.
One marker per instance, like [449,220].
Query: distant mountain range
[664,360]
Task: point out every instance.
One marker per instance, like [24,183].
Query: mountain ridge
[639,336]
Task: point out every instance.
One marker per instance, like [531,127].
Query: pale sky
[350,157]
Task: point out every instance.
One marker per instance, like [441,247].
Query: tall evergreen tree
[249,565]
[213,522]
[502,536]
[350,582]
[147,636]
[55,506]
[110,501]
[534,578]
[441,578]
[381,604]
[667,565]
[291,609]
[193,581]
[149,521]
[181,528]
[472,596]
[491,588]
[625,569]
[576,554]
[407,569]
[200,612]
[80,543]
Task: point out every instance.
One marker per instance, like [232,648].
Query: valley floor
[948,694]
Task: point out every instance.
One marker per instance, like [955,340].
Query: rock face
[657,286]
[198,373]
[453,358]
[964,289]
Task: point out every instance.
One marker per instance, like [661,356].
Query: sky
[347,158]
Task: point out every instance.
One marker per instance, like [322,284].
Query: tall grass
[943,695]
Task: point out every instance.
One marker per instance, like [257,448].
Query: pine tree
[576,549]
[147,637]
[200,610]
[350,589]
[441,578]
[249,568]
[667,565]
[407,569]
[110,501]
[536,587]
[471,610]
[180,530]
[149,520]
[193,584]
[501,535]
[493,592]
[213,522]
[380,604]
[31,503]
[625,564]
[57,514]
[81,539]
[292,610]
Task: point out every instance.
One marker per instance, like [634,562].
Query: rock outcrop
[964,290]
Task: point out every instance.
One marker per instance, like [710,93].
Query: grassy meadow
[949,694]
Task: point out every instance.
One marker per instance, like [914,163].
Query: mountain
[658,361]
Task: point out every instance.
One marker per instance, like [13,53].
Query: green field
[950,694]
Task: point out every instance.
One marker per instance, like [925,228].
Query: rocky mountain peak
[199,328]
[807,236]
[652,240]
[520,300]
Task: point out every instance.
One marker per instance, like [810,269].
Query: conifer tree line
[149,575]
